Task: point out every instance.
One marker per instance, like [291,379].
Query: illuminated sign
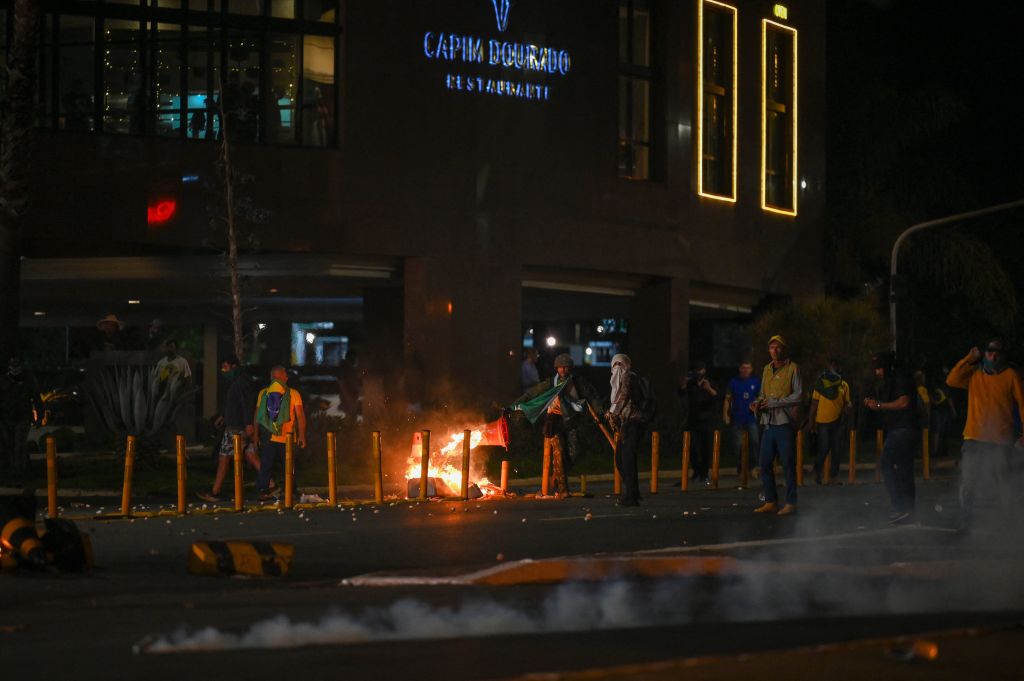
[472,50]
[780,12]
[161,212]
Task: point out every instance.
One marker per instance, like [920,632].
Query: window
[716,100]
[156,69]
[635,84]
[778,118]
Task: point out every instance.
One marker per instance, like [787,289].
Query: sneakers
[768,507]
[210,497]
[788,509]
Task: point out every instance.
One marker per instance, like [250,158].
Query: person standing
[528,370]
[995,396]
[173,364]
[943,414]
[238,412]
[279,414]
[776,408]
[894,402]
[741,393]
[20,409]
[830,411]
[700,400]
[627,420]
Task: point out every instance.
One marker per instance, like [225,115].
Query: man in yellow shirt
[994,392]
[830,403]
[279,414]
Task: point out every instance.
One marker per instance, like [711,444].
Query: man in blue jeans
[737,413]
[894,403]
[777,409]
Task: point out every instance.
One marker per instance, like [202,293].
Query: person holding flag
[560,399]
[279,413]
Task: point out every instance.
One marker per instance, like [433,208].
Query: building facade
[435,183]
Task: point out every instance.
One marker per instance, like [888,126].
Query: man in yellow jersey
[279,413]
[776,408]
[830,410]
[994,392]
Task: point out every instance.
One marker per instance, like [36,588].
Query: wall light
[551,341]
[765,23]
[731,198]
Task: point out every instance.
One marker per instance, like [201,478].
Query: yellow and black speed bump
[263,559]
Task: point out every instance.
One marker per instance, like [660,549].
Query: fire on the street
[446,459]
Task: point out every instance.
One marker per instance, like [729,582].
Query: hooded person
[561,399]
[995,398]
[625,416]
[893,402]
[830,405]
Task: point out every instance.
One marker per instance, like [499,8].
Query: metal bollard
[879,446]
[685,482]
[51,477]
[546,465]
[179,445]
[583,484]
[378,473]
[424,461]
[504,475]
[799,458]
[239,498]
[129,465]
[852,479]
[655,460]
[716,458]
[289,470]
[466,434]
[745,459]
[926,467]
[617,485]
[332,468]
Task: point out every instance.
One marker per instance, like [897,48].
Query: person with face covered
[893,401]
[624,415]
[995,395]
[20,409]
[830,408]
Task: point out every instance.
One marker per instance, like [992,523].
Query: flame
[446,462]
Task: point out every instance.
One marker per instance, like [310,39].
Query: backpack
[646,403]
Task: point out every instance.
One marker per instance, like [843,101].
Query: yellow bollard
[799,458]
[583,484]
[378,472]
[332,468]
[879,446]
[544,480]
[129,465]
[853,457]
[655,460]
[289,471]
[424,461]
[745,459]
[466,435]
[685,483]
[179,445]
[51,477]
[239,496]
[926,468]
[617,485]
[716,458]
[504,475]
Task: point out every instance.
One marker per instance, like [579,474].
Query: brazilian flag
[274,408]
[534,407]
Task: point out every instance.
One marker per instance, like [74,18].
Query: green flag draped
[274,408]
[534,407]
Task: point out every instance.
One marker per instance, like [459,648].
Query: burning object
[445,464]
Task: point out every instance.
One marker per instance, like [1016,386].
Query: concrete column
[659,332]
[211,367]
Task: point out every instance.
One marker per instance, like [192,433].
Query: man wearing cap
[109,339]
[994,394]
[776,408]
[562,417]
[894,403]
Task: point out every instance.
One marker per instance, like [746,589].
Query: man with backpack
[632,408]
[279,414]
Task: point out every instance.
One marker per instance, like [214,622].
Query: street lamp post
[925,225]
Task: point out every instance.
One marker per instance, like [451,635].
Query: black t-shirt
[895,387]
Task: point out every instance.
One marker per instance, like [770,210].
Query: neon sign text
[471,50]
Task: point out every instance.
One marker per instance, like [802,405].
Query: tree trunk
[17,135]
[231,260]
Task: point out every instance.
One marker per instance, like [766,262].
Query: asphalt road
[833,572]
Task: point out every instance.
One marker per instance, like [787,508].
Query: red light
[161,212]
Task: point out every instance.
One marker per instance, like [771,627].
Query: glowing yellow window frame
[700,97]
[765,23]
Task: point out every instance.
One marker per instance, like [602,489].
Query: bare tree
[17,137]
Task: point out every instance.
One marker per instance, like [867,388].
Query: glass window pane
[320,10]
[169,4]
[282,9]
[641,163]
[168,79]
[252,7]
[203,55]
[241,100]
[641,110]
[318,91]
[122,103]
[641,35]
[122,2]
[624,32]
[75,71]
[280,117]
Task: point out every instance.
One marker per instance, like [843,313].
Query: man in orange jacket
[994,390]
